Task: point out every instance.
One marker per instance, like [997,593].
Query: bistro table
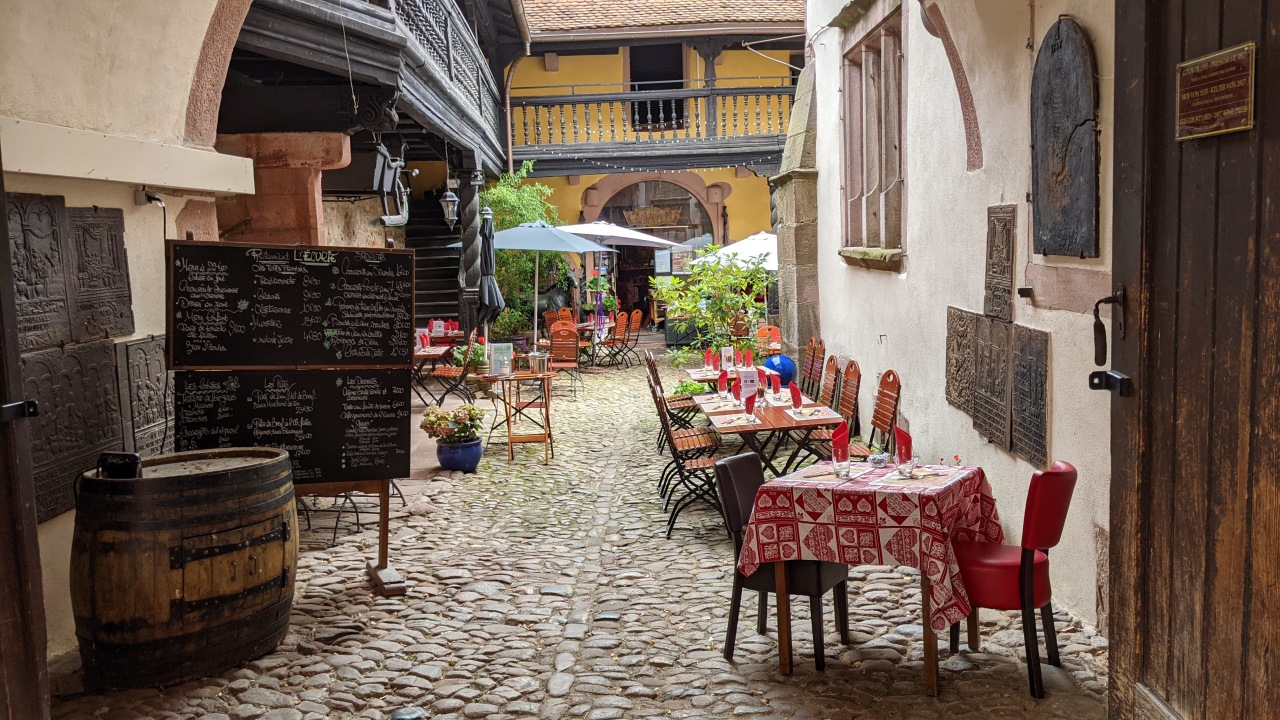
[876,517]
[515,407]
[422,356]
[711,375]
[773,418]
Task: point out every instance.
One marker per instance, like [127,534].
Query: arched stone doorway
[632,188]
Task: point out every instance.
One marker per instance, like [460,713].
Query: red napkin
[776,381]
[737,389]
[748,358]
[722,383]
[750,403]
[796,399]
[737,357]
[715,359]
[612,317]
[707,356]
[591,318]
[840,443]
[903,440]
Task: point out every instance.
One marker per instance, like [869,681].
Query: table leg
[783,596]
[753,441]
[930,639]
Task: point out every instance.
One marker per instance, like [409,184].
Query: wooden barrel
[186,571]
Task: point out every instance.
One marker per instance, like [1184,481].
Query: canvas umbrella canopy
[606,233]
[761,244]
[541,237]
[491,300]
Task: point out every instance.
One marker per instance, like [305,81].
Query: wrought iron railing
[440,28]
[654,111]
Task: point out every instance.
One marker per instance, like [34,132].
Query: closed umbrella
[491,301]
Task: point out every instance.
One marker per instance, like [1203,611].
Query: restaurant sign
[1215,93]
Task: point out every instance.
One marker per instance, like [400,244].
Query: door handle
[1110,380]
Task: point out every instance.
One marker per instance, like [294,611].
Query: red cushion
[990,574]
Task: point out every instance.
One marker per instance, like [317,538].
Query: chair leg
[975,639]
[819,652]
[735,604]
[955,638]
[841,593]
[762,614]
[1033,650]
[1050,634]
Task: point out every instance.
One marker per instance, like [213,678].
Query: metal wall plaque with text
[1215,93]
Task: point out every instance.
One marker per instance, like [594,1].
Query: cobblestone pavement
[551,592]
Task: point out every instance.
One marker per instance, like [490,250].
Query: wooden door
[1195,498]
[24,683]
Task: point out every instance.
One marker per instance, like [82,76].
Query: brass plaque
[997,299]
[1215,93]
[960,357]
[1030,395]
[991,380]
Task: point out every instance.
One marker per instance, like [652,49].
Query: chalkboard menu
[338,425]
[238,305]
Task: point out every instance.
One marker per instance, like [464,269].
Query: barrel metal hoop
[181,607]
[180,556]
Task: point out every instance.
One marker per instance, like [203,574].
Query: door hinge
[19,410]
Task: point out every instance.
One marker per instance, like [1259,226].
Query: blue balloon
[784,366]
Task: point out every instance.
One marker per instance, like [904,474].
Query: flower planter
[460,456]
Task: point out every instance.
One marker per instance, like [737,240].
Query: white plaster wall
[145,246]
[120,67]
[898,320]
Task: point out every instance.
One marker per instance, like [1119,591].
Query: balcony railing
[573,114]
[442,31]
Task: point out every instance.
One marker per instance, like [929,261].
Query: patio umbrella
[606,233]
[761,244]
[539,236]
[491,301]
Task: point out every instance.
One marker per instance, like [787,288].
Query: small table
[777,420]
[432,354]
[874,518]
[514,408]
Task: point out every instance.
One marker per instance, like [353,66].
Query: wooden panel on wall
[38,241]
[146,396]
[961,326]
[991,380]
[997,300]
[1030,395]
[1064,144]
[99,274]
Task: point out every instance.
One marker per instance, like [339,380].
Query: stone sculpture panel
[146,396]
[1002,222]
[99,274]
[1030,395]
[961,326]
[991,380]
[38,241]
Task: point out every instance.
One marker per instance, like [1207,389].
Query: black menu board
[239,305]
[338,425]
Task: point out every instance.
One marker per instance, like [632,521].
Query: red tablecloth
[860,523]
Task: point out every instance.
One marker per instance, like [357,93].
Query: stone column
[286,205]
[796,201]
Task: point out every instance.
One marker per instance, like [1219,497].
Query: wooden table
[710,375]
[421,357]
[778,420]
[515,408]
[874,518]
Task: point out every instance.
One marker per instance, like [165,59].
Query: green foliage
[610,303]
[715,293]
[516,200]
[689,387]
[474,359]
[449,427]
[509,323]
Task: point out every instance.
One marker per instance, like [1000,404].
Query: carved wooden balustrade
[733,108]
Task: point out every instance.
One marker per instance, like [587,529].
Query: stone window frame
[872,133]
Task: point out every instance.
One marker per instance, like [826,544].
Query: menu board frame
[178,361]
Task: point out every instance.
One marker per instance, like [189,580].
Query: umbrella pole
[537,257]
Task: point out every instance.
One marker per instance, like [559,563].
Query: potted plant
[477,360]
[457,435]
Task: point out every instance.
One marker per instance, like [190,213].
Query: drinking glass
[842,469]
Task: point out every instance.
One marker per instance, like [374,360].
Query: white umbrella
[758,245]
[606,233]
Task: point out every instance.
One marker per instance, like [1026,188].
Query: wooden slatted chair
[691,467]
[453,376]
[830,375]
[847,406]
[683,408]
[565,313]
[883,417]
[565,350]
[813,370]
[616,344]
[768,335]
[633,336]
[688,438]
[827,395]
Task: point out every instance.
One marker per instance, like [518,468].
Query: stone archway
[211,71]
[711,197]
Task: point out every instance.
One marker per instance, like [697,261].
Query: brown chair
[633,336]
[549,318]
[830,374]
[564,353]
[883,418]
[565,313]
[683,408]
[768,335]
[453,376]
[850,383]
[812,373]
[616,344]
[690,466]
[738,479]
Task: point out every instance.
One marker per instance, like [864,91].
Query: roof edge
[680,30]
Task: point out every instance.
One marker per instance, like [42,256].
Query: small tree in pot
[457,435]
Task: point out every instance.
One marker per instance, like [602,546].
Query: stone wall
[797,227]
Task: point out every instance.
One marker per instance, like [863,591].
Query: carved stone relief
[146,400]
[991,380]
[997,299]
[961,326]
[1030,395]
[79,417]
[37,237]
[99,274]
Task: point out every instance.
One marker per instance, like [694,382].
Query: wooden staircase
[436,264]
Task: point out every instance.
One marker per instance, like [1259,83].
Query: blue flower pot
[784,366]
[460,456]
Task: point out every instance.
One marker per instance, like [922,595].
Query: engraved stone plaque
[991,380]
[37,238]
[1030,395]
[146,396]
[960,357]
[99,274]
[79,417]
[1002,221]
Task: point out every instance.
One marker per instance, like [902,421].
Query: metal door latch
[19,410]
[1111,380]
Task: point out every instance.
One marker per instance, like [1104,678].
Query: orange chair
[768,340]
[564,353]
[565,313]
[883,418]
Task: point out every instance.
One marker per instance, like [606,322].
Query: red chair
[1013,577]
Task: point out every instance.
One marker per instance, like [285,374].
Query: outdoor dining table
[421,357]
[876,517]
[516,406]
[710,375]
[774,418]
